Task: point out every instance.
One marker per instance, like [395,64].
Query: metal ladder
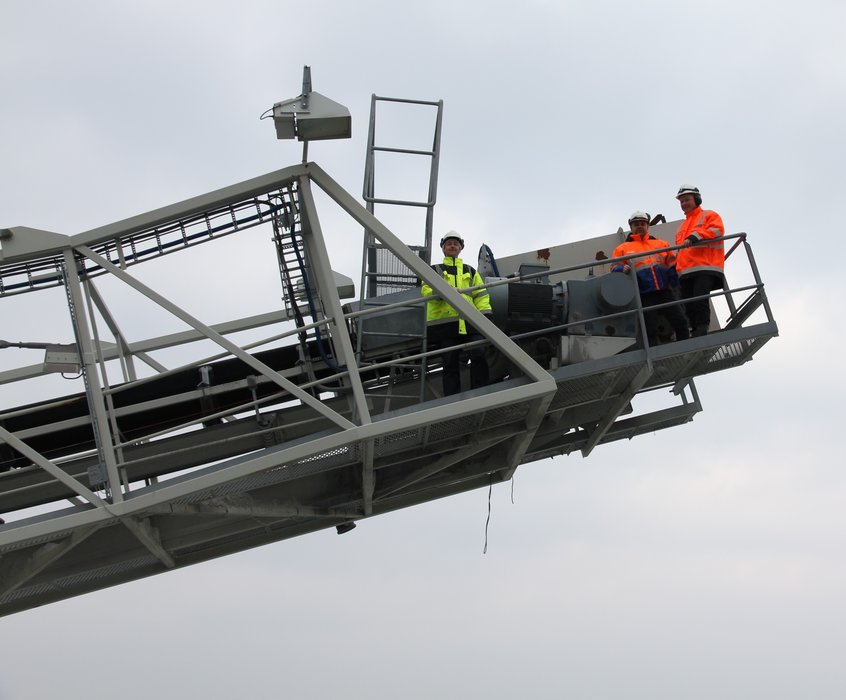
[382,272]
[294,271]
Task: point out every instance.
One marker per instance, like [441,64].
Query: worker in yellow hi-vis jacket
[445,328]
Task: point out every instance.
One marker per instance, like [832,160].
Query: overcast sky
[699,562]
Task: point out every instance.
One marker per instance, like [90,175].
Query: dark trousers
[674,315]
[445,335]
[696,284]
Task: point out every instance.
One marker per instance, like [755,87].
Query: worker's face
[451,248]
[639,226]
[687,203]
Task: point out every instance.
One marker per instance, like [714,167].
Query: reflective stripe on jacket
[460,276]
[654,272]
[701,225]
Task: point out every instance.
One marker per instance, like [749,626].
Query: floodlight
[311,116]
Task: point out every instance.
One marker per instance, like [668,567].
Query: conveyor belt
[188,404]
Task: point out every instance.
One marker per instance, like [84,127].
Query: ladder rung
[409,151]
[406,101]
[399,202]
[391,276]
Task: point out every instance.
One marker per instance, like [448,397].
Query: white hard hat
[452,234]
[688,189]
[639,216]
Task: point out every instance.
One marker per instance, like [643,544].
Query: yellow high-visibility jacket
[460,276]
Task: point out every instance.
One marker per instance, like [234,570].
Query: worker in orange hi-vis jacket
[700,263]
[656,276]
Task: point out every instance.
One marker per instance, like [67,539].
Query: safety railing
[754,298]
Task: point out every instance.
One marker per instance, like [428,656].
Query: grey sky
[703,561]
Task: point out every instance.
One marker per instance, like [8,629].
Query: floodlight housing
[311,116]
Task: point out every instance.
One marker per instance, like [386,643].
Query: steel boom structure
[303,430]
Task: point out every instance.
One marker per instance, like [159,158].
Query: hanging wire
[487,522]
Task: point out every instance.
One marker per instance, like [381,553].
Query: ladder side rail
[433,182]
[367,288]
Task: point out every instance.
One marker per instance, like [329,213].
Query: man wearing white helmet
[700,263]
[445,328]
[656,276]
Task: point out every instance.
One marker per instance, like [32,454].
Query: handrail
[376,308]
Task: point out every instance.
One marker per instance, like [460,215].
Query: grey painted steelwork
[383,273]
[248,446]
[311,116]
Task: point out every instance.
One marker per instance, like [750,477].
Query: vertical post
[757,276]
[329,294]
[641,318]
[96,402]
[369,261]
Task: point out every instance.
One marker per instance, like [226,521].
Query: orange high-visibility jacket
[701,225]
[654,272]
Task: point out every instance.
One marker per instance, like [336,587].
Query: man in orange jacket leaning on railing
[700,263]
[656,276]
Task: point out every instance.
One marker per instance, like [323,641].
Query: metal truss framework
[288,451]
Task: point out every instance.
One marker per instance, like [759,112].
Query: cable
[487,522]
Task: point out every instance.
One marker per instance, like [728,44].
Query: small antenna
[306,81]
